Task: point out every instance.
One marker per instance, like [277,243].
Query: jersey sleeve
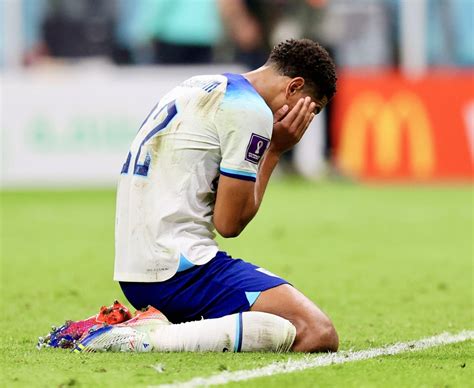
[244,131]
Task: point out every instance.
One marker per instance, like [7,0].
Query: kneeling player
[201,161]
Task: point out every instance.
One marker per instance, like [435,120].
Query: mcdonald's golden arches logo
[385,120]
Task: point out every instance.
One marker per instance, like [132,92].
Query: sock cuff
[239,328]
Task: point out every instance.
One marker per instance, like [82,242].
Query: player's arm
[238,200]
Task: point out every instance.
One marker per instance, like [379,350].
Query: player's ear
[294,86]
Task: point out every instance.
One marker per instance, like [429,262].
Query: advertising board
[388,127]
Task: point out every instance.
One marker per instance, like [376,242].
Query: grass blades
[387,263]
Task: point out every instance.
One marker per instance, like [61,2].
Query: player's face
[320,102]
[296,90]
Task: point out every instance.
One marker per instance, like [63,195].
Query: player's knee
[327,339]
[317,335]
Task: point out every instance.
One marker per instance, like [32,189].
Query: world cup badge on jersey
[257,146]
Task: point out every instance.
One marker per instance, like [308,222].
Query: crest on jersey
[257,146]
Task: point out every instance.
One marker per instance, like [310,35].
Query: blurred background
[78,77]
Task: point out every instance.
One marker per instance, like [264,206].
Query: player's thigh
[314,331]
[289,303]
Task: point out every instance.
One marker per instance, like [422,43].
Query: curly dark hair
[308,59]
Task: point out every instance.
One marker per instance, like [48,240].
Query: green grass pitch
[388,264]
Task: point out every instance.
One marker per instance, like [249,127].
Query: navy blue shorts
[220,287]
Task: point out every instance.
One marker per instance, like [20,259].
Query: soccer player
[201,161]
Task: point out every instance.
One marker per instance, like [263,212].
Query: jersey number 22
[142,162]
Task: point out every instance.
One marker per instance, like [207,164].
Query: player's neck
[269,84]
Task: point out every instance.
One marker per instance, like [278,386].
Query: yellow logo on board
[385,120]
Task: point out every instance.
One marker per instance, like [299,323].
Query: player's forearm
[267,165]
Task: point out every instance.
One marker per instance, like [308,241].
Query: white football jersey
[207,126]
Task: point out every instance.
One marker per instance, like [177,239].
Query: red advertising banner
[388,127]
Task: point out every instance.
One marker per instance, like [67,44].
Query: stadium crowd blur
[358,33]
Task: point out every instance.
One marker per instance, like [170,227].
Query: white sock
[243,332]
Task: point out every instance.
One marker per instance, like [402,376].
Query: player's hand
[289,127]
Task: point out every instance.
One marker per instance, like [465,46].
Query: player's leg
[151,331]
[241,332]
[314,330]
[222,288]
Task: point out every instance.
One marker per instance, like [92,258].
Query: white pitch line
[309,362]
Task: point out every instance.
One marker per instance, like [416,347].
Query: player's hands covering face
[290,126]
